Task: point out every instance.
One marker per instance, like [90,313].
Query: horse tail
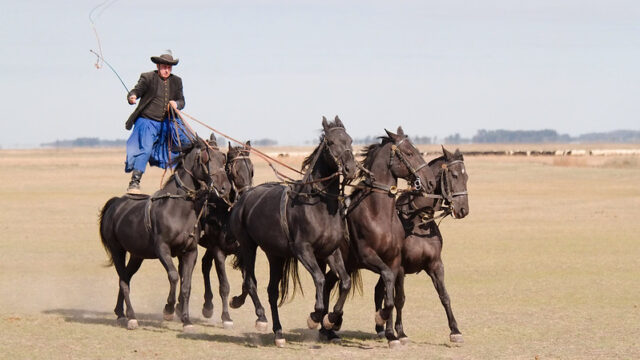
[356,282]
[106,223]
[289,272]
[237,262]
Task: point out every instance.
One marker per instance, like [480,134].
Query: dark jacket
[147,86]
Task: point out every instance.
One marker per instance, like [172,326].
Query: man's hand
[132,99]
[173,104]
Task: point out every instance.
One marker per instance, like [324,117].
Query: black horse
[422,246]
[239,169]
[164,225]
[299,222]
[374,226]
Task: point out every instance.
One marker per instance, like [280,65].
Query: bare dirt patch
[545,265]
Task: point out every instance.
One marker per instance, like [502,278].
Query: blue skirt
[151,142]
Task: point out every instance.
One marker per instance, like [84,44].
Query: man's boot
[134,184]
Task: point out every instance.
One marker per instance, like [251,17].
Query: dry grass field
[546,266]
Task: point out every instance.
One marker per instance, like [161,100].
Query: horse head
[239,167]
[338,148]
[205,163]
[453,183]
[412,165]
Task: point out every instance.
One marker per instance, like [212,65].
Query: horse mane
[457,155]
[307,161]
[183,150]
[369,153]
[439,158]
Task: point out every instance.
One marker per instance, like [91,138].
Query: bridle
[446,184]
[337,159]
[395,152]
[205,169]
[417,183]
[231,171]
[443,200]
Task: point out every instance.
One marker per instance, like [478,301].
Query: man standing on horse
[156,127]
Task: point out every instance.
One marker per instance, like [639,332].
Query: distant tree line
[481,137]
[84,142]
[551,136]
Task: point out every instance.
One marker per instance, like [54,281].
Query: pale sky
[272,69]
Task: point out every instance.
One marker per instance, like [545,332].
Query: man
[156,125]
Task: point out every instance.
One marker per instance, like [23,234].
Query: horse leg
[436,272]
[308,260]
[249,283]
[164,255]
[118,257]
[124,275]
[220,258]
[372,261]
[275,275]
[187,264]
[334,319]
[207,307]
[399,303]
[378,296]
[329,334]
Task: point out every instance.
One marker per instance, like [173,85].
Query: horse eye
[454,174]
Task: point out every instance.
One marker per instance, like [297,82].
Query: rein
[392,190]
[262,155]
[305,180]
[394,151]
[443,201]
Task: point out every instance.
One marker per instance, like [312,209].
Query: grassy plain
[546,266]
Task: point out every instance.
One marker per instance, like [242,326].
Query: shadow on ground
[106,318]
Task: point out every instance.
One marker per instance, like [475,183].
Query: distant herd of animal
[344,215]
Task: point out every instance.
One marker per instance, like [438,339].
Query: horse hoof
[188,329]
[227,325]
[336,341]
[326,323]
[132,324]
[280,342]
[235,302]
[394,344]
[404,340]
[167,317]
[381,334]
[208,313]
[261,325]
[379,320]
[312,324]
[122,321]
[456,338]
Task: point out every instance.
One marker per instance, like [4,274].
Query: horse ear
[325,124]
[229,143]
[248,143]
[338,121]
[446,153]
[400,131]
[212,140]
[457,154]
[393,136]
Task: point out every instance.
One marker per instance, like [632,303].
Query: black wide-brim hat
[166,59]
